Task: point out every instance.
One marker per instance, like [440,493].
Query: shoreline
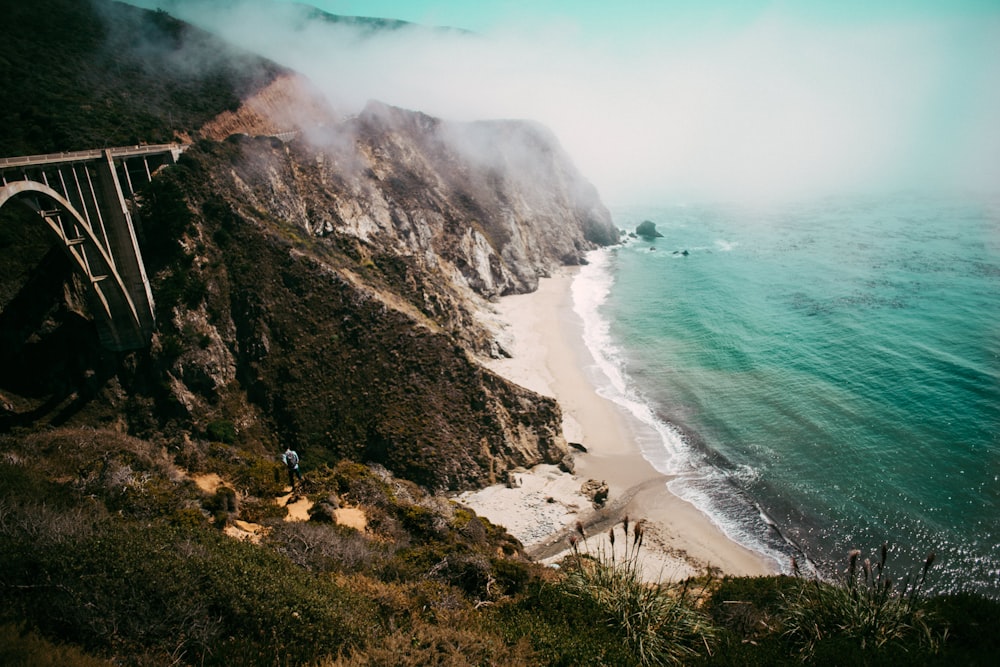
[544,336]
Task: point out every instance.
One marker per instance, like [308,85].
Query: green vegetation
[23,648]
[868,610]
[125,74]
[658,624]
[221,430]
[109,552]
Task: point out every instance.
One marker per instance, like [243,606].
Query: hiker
[291,460]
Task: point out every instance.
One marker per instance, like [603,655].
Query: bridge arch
[118,320]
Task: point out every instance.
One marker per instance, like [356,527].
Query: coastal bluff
[321,289]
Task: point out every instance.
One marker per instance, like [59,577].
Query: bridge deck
[92,154]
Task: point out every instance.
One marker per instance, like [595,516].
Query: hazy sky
[680,99]
[641,15]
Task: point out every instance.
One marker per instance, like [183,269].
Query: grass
[19,647]
[660,624]
[87,569]
[867,608]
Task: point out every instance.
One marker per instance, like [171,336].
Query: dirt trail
[298,506]
[352,517]
[208,482]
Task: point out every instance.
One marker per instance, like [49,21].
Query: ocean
[816,377]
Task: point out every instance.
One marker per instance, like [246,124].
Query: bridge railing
[92,154]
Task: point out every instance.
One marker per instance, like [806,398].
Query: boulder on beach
[596,491]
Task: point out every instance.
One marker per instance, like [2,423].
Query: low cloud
[780,107]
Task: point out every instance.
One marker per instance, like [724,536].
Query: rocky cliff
[319,289]
[338,277]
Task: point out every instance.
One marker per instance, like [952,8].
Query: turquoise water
[820,377]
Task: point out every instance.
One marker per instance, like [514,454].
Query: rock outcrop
[494,205]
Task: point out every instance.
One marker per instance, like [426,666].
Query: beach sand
[544,337]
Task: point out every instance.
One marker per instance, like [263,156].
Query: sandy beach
[543,335]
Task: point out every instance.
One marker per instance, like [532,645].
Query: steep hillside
[320,292]
[77,74]
[335,287]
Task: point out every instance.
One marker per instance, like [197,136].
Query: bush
[222,431]
[972,621]
[867,611]
[563,629]
[130,588]
[745,610]
[359,485]
[659,624]
[22,648]
[326,547]
[455,644]
[251,473]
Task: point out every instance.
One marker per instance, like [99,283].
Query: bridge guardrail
[92,154]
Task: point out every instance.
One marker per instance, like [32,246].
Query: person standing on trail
[291,461]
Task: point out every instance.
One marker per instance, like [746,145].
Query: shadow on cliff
[51,362]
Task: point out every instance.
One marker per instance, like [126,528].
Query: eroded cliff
[340,279]
[320,289]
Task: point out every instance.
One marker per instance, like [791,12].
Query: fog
[773,108]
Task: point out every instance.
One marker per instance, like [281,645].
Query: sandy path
[298,506]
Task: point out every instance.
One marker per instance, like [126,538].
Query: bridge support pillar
[124,245]
[82,199]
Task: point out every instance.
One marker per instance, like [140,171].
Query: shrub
[133,588]
[251,473]
[564,629]
[326,547]
[22,648]
[458,643]
[659,624]
[510,576]
[972,621]
[867,610]
[221,430]
[358,484]
[745,610]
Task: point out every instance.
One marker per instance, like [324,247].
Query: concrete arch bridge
[84,199]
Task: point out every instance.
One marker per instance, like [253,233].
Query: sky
[672,100]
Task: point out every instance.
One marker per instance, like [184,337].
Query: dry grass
[661,624]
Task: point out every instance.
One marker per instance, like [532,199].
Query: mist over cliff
[751,100]
[320,289]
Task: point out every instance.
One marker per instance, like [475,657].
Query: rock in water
[647,230]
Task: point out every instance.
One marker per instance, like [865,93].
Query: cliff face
[494,205]
[337,286]
[321,292]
